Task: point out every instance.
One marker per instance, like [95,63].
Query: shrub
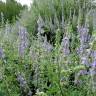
[62,65]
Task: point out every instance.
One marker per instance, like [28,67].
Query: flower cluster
[65,46]
[23,44]
[46,45]
[21,80]
[84,38]
[23,84]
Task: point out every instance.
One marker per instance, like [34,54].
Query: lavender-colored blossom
[22,33]
[21,80]
[93,56]
[78,82]
[80,50]
[84,34]
[84,38]
[77,76]
[84,60]
[83,72]
[47,46]
[23,84]
[23,44]
[65,45]
[21,49]
[93,75]
[92,72]
[94,64]
[30,93]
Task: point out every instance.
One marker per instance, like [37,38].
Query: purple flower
[22,33]
[93,68]
[65,42]
[21,49]
[94,64]
[84,34]
[80,73]
[92,72]
[80,50]
[65,45]
[83,72]
[23,44]
[47,46]
[21,80]
[30,93]
[84,60]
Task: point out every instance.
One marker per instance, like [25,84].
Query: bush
[57,13]
[32,64]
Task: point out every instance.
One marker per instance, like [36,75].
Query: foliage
[57,57]
[57,13]
[10,10]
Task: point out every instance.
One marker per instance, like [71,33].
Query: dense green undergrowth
[50,50]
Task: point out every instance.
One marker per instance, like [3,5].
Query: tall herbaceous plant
[50,50]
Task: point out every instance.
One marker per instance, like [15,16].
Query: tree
[11,10]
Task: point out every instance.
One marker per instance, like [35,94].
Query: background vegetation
[10,10]
[50,50]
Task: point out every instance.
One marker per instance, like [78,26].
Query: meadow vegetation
[50,50]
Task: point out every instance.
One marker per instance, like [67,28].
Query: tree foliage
[10,10]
